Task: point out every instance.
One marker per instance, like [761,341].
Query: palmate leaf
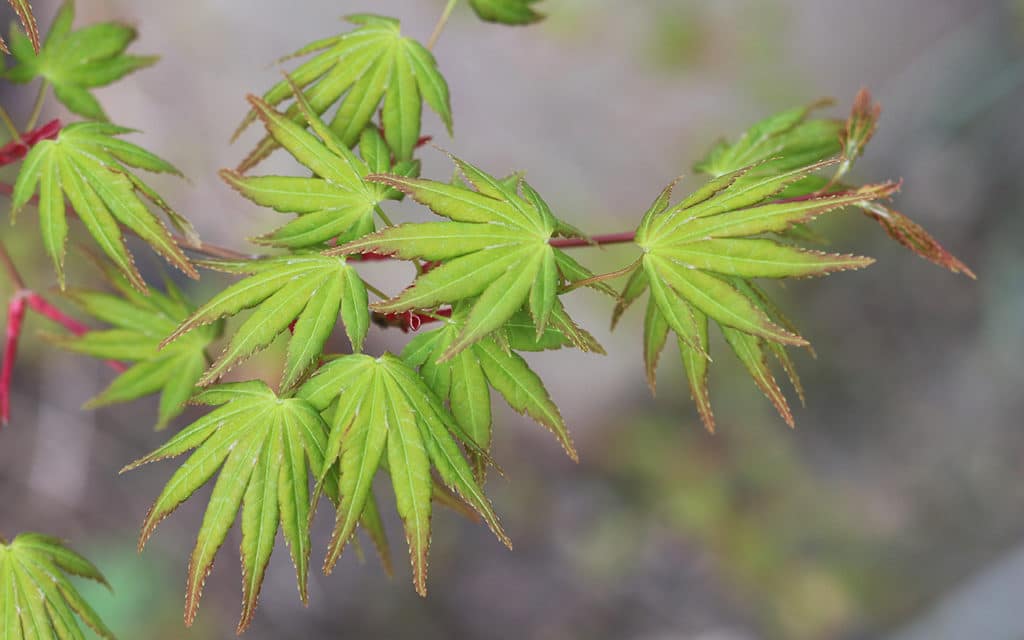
[37,600]
[495,249]
[139,323]
[28,23]
[265,447]
[465,380]
[361,68]
[699,257]
[382,413]
[790,140]
[89,166]
[309,290]
[76,61]
[514,12]
[335,203]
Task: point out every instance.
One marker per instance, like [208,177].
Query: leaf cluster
[492,273]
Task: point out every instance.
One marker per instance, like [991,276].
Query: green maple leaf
[336,203]
[465,380]
[780,143]
[28,23]
[307,289]
[265,447]
[791,139]
[76,61]
[382,413]
[89,165]
[139,324]
[361,68]
[520,333]
[699,257]
[514,12]
[37,600]
[496,246]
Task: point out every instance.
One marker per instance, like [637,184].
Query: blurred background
[894,510]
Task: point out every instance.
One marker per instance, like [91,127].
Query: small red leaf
[914,237]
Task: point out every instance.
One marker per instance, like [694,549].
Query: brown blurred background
[894,510]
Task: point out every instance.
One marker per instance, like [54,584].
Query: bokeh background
[894,510]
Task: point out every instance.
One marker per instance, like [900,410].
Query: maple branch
[441,22]
[15,316]
[594,241]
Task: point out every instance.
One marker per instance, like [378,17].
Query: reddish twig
[15,316]
[44,308]
[610,238]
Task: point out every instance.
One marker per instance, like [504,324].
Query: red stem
[44,308]
[609,238]
[15,316]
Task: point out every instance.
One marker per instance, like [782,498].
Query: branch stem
[625,271]
[383,216]
[610,238]
[375,291]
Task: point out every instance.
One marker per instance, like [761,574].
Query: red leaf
[17,149]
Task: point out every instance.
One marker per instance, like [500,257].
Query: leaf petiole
[37,107]
[441,23]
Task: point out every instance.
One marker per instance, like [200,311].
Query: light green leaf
[140,324]
[720,300]
[757,258]
[496,250]
[523,390]
[37,600]
[308,289]
[53,223]
[701,254]
[783,137]
[750,350]
[334,203]
[402,107]
[91,168]
[262,444]
[74,61]
[511,12]
[378,405]
[363,442]
[410,476]
[359,69]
